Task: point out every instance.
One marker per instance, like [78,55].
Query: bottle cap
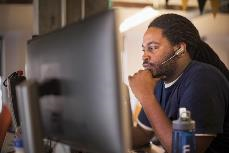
[18,142]
[184,122]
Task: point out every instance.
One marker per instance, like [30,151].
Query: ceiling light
[138,18]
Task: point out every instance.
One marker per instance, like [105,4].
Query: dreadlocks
[178,29]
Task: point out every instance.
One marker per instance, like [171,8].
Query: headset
[178,52]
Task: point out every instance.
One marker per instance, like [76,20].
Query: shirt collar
[171,83]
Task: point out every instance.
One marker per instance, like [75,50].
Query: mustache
[146,64]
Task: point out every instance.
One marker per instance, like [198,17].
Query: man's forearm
[161,124]
[140,137]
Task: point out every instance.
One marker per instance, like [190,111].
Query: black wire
[51,147]
[11,75]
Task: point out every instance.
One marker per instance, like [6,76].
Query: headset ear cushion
[180,51]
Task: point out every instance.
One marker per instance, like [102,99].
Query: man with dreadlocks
[181,71]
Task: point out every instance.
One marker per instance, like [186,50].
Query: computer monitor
[82,60]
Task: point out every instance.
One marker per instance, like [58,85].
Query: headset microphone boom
[177,53]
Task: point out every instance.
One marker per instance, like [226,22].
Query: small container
[183,140]
[18,145]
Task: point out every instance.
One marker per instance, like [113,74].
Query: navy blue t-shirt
[204,91]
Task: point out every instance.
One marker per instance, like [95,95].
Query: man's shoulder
[198,70]
[200,67]
[203,75]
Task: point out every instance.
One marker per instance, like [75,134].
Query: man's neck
[178,71]
[167,85]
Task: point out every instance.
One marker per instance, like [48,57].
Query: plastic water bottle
[18,145]
[183,133]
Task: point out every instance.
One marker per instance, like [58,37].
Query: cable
[11,75]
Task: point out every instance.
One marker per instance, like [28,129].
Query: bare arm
[203,142]
[140,137]
[159,121]
[142,85]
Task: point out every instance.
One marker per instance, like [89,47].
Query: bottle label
[186,149]
[183,142]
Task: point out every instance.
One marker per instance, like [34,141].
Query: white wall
[15,44]
[216,32]
[15,28]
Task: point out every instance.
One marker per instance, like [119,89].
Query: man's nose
[145,56]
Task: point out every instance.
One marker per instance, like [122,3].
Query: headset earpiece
[179,51]
[176,53]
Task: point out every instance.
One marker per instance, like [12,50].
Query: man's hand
[142,84]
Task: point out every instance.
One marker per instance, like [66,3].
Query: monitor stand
[28,102]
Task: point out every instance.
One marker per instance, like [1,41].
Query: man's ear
[180,48]
[183,46]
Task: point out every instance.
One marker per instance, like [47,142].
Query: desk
[154,149]
[150,149]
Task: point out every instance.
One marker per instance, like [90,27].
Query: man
[173,79]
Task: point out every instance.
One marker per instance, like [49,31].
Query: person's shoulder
[197,68]
[203,67]
[198,71]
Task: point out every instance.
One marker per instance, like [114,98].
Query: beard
[159,70]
